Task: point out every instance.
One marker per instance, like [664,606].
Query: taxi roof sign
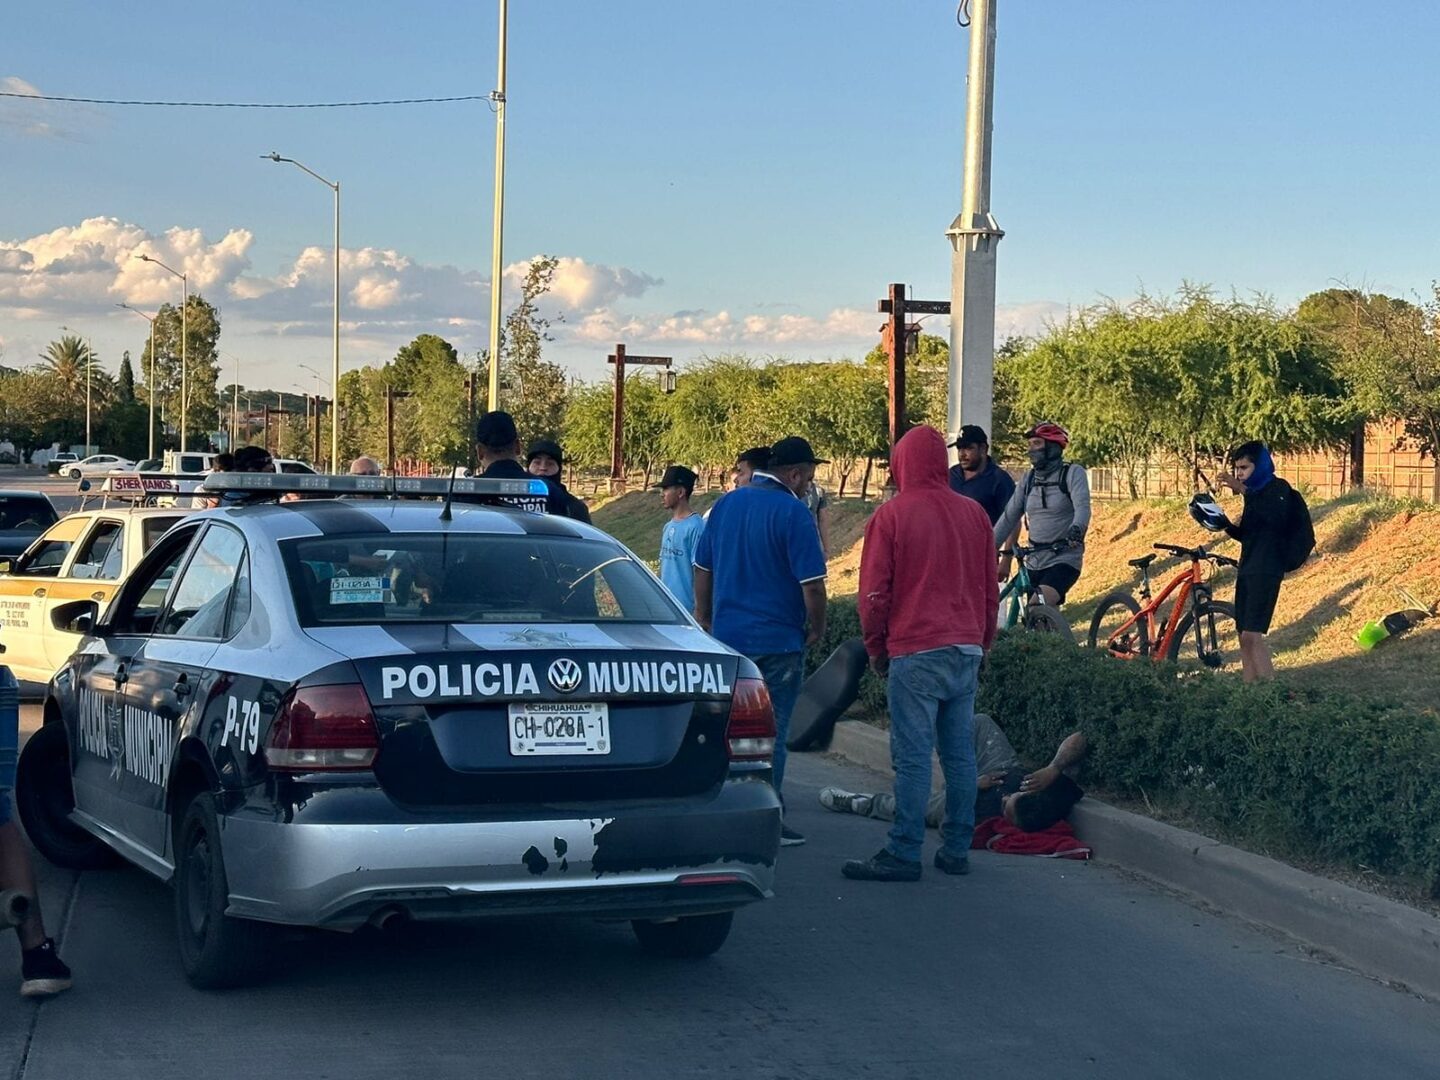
[130,485]
[376,487]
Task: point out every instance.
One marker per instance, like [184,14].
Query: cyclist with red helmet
[1054,501]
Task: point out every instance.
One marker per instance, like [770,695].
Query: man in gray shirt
[1054,500]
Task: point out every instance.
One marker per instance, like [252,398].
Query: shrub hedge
[1335,777]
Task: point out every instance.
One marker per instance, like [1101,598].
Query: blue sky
[719,176]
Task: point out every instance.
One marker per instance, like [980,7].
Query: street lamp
[151,320]
[184,345]
[497,229]
[333,185]
[89,363]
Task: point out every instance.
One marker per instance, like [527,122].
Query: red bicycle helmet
[1049,432]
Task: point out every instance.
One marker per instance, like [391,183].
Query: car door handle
[182,687]
[38,592]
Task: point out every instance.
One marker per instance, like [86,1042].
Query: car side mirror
[76,617]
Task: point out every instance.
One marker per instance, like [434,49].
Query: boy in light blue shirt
[681,535]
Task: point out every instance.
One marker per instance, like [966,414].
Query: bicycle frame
[1187,581]
[1011,595]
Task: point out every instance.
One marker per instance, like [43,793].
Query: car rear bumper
[669,858]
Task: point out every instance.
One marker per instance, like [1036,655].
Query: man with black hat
[760,581]
[680,536]
[977,476]
[498,444]
[545,459]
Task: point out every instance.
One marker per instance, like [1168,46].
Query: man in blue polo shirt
[977,476]
[760,581]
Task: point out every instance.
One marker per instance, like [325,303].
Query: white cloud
[582,286]
[37,119]
[842,326]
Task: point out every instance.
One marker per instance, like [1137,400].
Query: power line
[243,104]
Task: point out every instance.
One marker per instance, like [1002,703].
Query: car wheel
[216,951]
[688,938]
[44,798]
[75,474]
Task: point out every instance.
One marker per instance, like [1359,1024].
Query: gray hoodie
[1048,514]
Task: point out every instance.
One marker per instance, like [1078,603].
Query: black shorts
[1255,597]
[1059,576]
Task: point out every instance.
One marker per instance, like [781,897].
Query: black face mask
[1044,459]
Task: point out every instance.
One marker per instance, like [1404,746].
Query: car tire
[216,951]
[44,797]
[75,474]
[688,938]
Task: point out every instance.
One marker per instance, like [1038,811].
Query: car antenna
[449,495]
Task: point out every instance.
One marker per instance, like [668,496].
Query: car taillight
[323,728]
[751,731]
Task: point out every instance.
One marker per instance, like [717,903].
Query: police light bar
[376,487]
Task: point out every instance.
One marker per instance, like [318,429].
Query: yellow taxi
[81,557]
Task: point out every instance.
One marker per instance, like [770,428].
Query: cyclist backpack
[1062,482]
[1300,535]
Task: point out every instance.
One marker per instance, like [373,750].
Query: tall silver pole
[335,343]
[974,235]
[89,362]
[497,228]
[235,411]
[184,359]
[151,452]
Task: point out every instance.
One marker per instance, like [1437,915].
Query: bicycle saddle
[1144,561]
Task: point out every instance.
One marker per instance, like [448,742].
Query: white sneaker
[845,802]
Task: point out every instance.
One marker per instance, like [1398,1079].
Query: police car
[345,711]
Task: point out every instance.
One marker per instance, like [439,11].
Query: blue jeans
[783,673]
[932,707]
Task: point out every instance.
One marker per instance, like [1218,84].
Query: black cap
[678,476]
[971,435]
[496,430]
[793,450]
[756,457]
[546,447]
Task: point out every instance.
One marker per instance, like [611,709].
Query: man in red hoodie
[928,599]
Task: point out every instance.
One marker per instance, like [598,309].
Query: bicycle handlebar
[1196,554]
[1022,551]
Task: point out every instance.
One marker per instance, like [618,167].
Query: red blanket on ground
[1056,842]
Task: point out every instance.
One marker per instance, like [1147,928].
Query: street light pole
[184,346]
[333,185]
[974,236]
[150,453]
[498,225]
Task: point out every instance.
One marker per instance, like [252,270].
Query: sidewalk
[1369,933]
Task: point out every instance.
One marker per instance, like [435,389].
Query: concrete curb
[1369,933]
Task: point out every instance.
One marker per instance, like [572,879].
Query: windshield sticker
[359,590]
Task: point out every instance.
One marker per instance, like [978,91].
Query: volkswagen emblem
[565,675]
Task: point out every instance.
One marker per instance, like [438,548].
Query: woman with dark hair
[1264,533]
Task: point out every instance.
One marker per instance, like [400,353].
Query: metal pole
[184,359]
[974,236]
[89,363]
[151,453]
[897,363]
[235,411]
[617,427]
[497,227]
[335,330]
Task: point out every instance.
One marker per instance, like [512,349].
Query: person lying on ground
[1032,802]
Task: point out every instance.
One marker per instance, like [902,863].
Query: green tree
[125,381]
[589,410]
[717,411]
[532,389]
[202,327]
[70,364]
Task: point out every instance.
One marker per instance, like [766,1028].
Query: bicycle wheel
[1044,619]
[1215,641]
[1112,613]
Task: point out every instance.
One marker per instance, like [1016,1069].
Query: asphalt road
[1027,965]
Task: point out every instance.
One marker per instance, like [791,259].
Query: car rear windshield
[470,578]
[26,512]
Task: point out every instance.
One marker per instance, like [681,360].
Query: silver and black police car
[343,711]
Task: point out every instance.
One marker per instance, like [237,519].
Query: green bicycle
[1021,603]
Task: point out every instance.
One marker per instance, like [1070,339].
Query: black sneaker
[789,837]
[42,973]
[881,866]
[951,864]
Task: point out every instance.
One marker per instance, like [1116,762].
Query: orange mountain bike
[1128,629]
